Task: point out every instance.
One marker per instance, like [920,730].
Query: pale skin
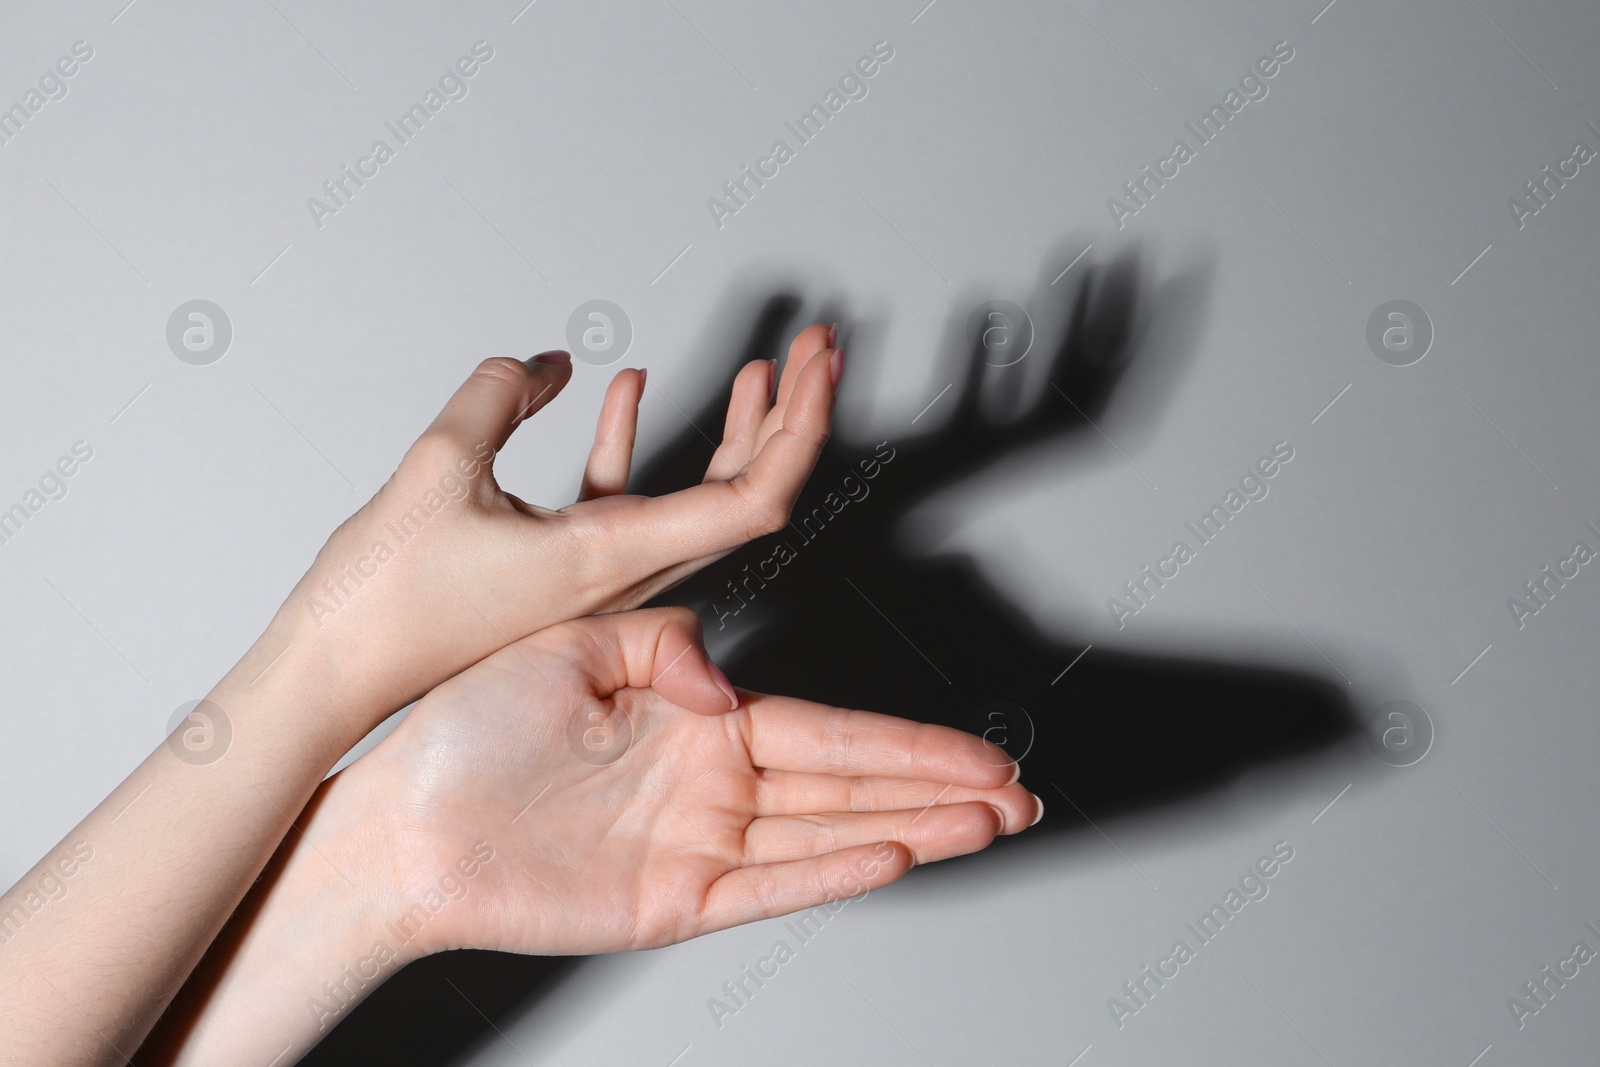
[176,845]
[442,569]
[679,820]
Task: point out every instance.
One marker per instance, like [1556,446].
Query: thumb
[660,649]
[499,395]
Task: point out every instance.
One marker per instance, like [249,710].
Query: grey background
[1378,167]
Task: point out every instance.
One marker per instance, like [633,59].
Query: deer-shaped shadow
[845,613]
[836,608]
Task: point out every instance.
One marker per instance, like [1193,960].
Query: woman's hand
[576,793]
[619,818]
[443,566]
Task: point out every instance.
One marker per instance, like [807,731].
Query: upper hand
[443,566]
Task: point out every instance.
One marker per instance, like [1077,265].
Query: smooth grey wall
[1380,165]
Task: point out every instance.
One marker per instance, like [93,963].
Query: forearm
[89,961]
[302,949]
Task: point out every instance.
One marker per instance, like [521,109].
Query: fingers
[753,893]
[658,649]
[932,834]
[807,343]
[499,395]
[747,409]
[797,735]
[794,793]
[607,471]
[708,519]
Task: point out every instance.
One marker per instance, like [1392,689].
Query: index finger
[796,735]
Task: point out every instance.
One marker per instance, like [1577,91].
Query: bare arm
[440,569]
[562,797]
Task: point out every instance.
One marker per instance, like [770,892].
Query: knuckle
[766,889]
[501,370]
[767,516]
[436,450]
[837,738]
[824,834]
[822,884]
[685,619]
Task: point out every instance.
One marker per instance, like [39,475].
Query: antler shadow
[836,608]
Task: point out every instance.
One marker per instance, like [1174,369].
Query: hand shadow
[835,608]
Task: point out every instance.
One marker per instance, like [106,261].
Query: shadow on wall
[836,609]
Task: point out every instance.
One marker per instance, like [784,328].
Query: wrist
[292,684]
[304,947]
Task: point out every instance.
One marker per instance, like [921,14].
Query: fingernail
[724,685]
[1039,816]
[1002,816]
[1016,774]
[833,336]
[836,367]
[772,377]
[644,372]
[555,356]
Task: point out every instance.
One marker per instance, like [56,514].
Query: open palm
[622,811]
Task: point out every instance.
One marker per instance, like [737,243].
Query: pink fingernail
[836,367]
[833,335]
[1039,816]
[772,377]
[556,356]
[724,685]
[644,372]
